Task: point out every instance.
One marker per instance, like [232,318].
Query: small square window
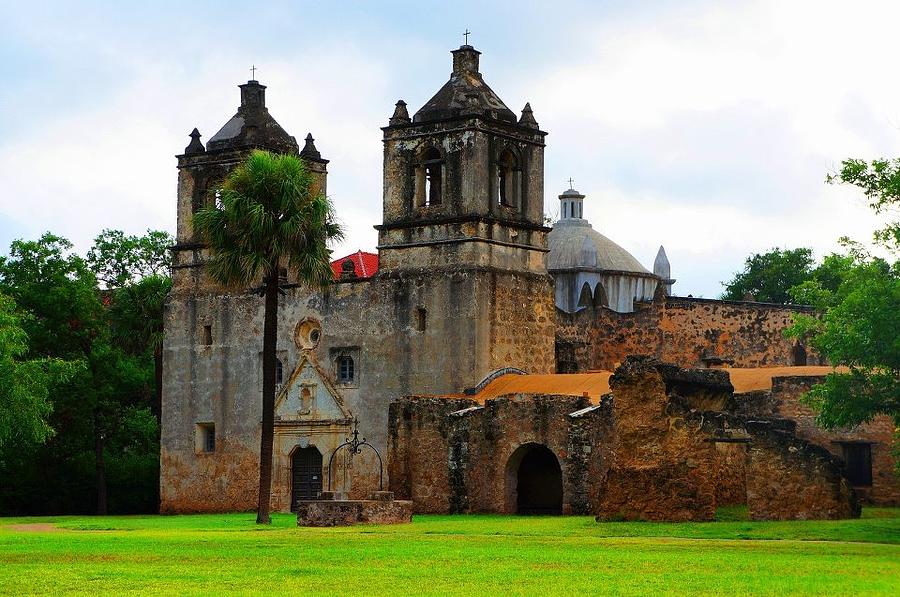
[206,437]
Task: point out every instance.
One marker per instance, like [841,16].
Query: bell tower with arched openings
[463,238]
[463,180]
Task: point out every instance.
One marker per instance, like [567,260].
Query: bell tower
[463,240]
[463,180]
[201,168]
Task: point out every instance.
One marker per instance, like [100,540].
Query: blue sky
[707,127]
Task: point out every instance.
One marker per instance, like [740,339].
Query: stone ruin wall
[418,444]
[666,446]
[683,331]
[785,401]
[661,469]
[485,439]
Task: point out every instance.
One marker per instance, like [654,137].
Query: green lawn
[211,554]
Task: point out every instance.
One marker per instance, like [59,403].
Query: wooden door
[306,474]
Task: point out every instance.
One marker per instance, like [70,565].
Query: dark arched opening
[798,355]
[306,475]
[429,178]
[585,299]
[600,297]
[534,481]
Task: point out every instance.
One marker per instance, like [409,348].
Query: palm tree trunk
[270,336]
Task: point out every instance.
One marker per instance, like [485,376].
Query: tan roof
[567,384]
[760,378]
[596,383]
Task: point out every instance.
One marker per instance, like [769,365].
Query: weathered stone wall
[789,478]
[688,332]
[661,469]
[485,440]
[785,402]
[418,446]
[669,444]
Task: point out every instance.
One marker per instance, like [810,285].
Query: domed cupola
[591,270]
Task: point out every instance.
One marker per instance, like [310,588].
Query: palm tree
[268,214]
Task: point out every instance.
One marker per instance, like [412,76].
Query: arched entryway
[534,481]
[306,475]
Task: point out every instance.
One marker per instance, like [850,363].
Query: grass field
[212,554]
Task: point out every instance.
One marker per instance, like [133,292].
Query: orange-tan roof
[760,378]
[567,384]
[596,383]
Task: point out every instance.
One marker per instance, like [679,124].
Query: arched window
[429,178]
[585,299]
[509,180]
[345,369]
[600,297]
[279,372]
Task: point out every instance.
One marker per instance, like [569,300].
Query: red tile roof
[365,264]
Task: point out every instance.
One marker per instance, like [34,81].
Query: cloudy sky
[705,126]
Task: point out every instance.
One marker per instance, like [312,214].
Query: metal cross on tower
[466,34]
[571,182]
[253,72]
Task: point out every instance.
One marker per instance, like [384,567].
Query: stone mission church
[469,284]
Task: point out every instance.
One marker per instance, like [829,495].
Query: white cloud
[707,127]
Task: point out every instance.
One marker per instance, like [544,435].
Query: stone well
[334,509]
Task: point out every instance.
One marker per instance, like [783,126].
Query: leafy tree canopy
[119,259]
[24,384]
[859,326]
[767,277]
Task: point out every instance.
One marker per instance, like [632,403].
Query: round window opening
[307,334]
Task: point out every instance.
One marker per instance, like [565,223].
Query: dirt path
[35,527]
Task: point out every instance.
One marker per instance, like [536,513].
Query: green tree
[879,181]
[269,214]
[24,385]
[135,270]
[69,320]
[767,277]
[859,326]
[119,259]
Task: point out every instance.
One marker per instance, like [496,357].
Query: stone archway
[533,481]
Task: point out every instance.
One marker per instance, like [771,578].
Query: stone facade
[689,332]
[462,290]
[648,451]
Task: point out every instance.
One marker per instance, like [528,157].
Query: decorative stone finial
[401,114]
[195,146]
[309,150]
[527,118]
[663,270]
